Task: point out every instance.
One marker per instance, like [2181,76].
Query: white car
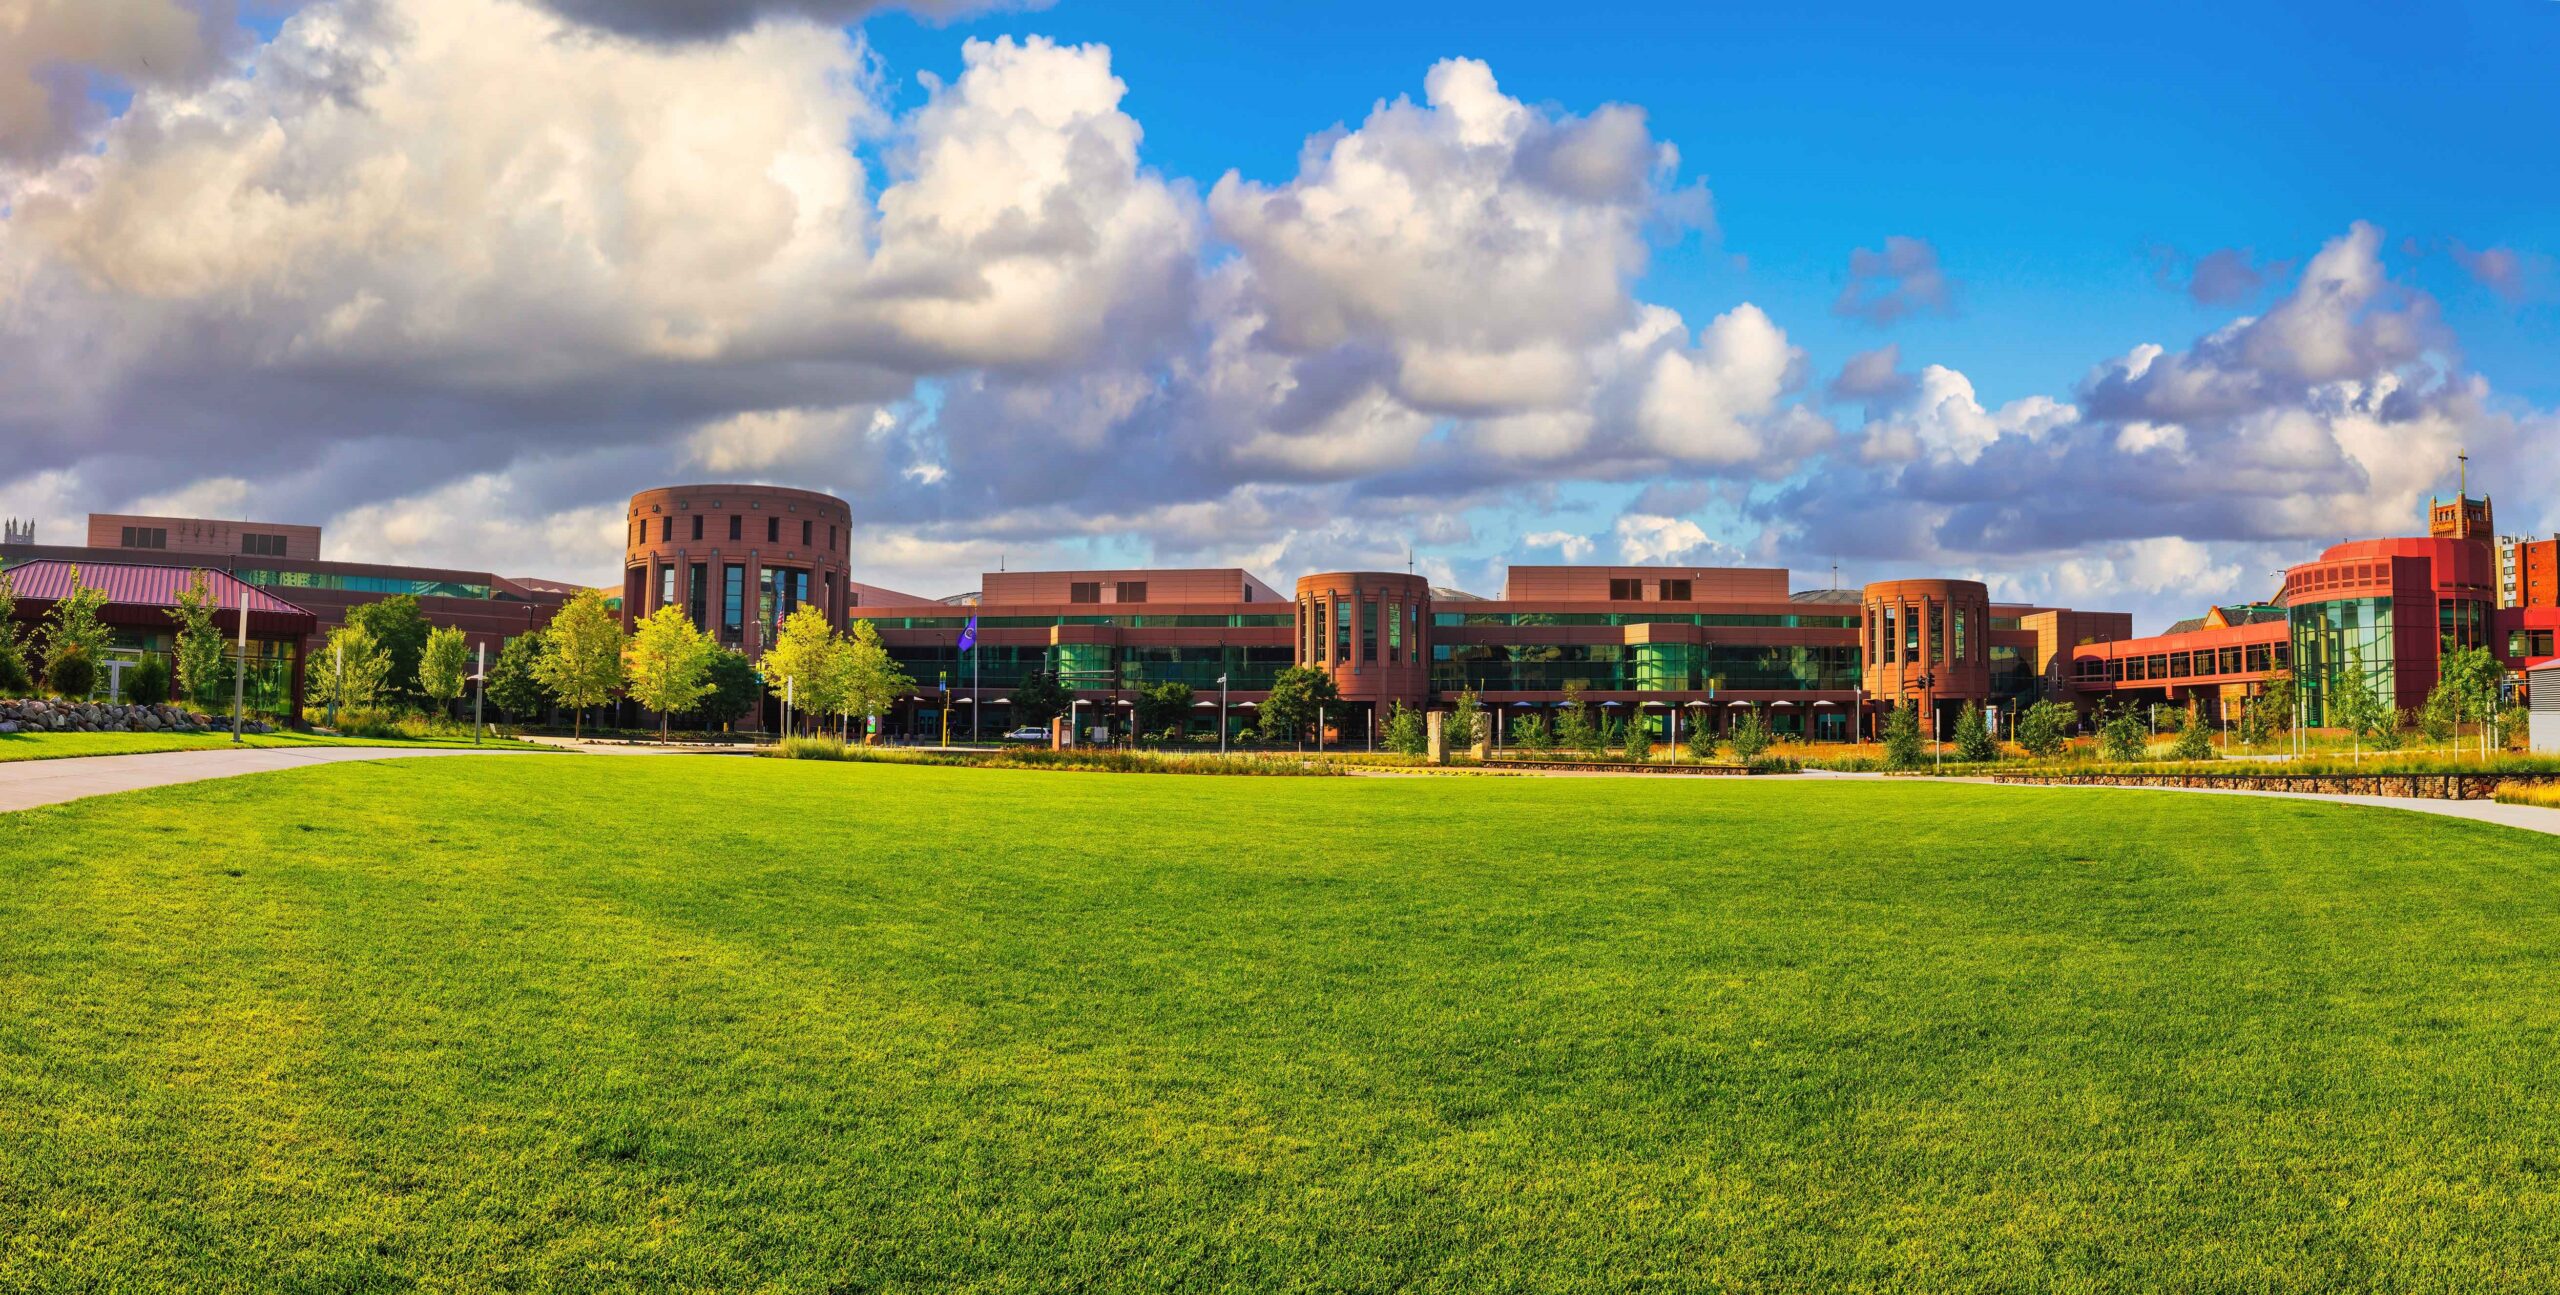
[1027,734]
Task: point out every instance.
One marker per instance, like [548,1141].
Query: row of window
[1084,667]
[2248,659]
[737,531]
[1753,620]
[779,592]
[1897,630]
[1326,630]
[1231,621]
[368,584]
[1625,590]
[1090,591]
[1643,667]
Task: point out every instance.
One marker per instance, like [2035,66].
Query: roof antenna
[1408,559]
[1835,575]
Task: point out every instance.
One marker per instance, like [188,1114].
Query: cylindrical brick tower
[737,558]
[1370,630]
[1927,642]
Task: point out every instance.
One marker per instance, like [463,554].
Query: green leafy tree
[147,683]
[1639,744]
[2195,739]
[402,630]
[581,661]
[2393,732]
[1750,737]
[795,666]
[1406,732]
[2124,738]
[2475,675]
[1165,708]
[1702,740]
[1902,749]
[731,692]
[73,624]
[2441,717]
[1574,729]
[353,671]
[2257,724]
[1973,737]
[2355,705]
[202,655]
[2045,729]
[1464,726]
[16,678]
[1297,694]
[513,683]
[873,680]
[2280,692]
[668,662]
[1038,699]
[1531,734]
[444,668]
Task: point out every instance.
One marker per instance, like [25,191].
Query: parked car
[1027,734]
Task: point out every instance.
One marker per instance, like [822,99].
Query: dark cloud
[1900,281]
[683,20]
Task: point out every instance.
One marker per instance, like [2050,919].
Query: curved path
[26,784]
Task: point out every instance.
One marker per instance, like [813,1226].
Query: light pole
[481,694]
[240,668]
[1222,714]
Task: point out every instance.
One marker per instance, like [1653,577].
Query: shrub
[1602,736]
[147,684]
[2123,738]
[1901,738]
[13,673]
[1973,737]
[1750,738]
[2195,740]
[1406,733]
[2045,729]
[1639,741]
[1702,739]
[1531,734]
[71,674]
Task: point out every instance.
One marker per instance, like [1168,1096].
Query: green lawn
[707,1024]
[57,746]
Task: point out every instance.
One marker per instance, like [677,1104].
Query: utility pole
[240,667]
[481,695]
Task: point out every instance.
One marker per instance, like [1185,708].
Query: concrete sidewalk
[2530,818]
[26,784]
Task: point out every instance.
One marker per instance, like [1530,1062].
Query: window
[157,537]
[257,546]
[1937,632]
[697,526]
[1085,591]
[1395,632]
[1341,653]
[808,533]
[831,537]
[1675,591]
[1369,631]
[733,594]
[1625,591]
[773,530]
[735,521]
[666,587]
[1960,634]
[1132,591]
[697,588]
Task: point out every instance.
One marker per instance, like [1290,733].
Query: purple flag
[969,636]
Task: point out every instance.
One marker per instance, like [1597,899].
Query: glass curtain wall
[2334,639]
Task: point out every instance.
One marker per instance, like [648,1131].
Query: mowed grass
[68,745]
[696,1024]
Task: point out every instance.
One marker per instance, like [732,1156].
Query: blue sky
[2184,293]
[2046,150]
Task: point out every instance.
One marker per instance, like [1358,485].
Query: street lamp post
[240,667]
[480,694]
[1222,714]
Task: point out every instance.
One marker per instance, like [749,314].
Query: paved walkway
[25,784]
[2530,818]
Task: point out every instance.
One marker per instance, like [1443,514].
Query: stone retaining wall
[36,715]
[2417,786]
[1616,766]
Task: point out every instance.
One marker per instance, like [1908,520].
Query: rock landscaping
[36,715]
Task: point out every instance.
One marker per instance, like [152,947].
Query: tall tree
[2045,729]
[795,666]
[354,671]
[444,668]
[669,663]
[1973,737]
[873,680]
[1038,699]
[1465,722]
[1297,694]
[512,681]
[73,624]
[1902,748]
[402,630]
[15,676]
[1166,706]
[734,688]
[582,656]
[202,653]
